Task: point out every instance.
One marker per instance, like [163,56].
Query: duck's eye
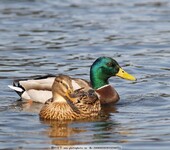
[110,64]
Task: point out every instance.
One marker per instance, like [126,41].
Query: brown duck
[69,104]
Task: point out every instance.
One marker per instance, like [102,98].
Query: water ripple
[42,37]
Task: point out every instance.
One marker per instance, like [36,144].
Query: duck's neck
[58,98]
[97,79]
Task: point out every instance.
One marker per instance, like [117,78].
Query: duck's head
[104,68]
[61,88]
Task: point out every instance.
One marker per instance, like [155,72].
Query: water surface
[41,37]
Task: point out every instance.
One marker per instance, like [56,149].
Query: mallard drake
[39,89]
[67,104]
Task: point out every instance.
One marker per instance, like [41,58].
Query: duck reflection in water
[61,132]
[66,132]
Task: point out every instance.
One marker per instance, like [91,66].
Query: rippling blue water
[40,37]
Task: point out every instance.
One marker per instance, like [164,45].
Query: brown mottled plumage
[67,104]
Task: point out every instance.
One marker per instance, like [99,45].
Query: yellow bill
[123,74]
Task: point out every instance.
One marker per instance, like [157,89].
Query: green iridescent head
[104,68]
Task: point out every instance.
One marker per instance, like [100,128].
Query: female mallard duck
[67,104]
[39,89]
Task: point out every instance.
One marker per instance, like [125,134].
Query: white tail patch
[16,88]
